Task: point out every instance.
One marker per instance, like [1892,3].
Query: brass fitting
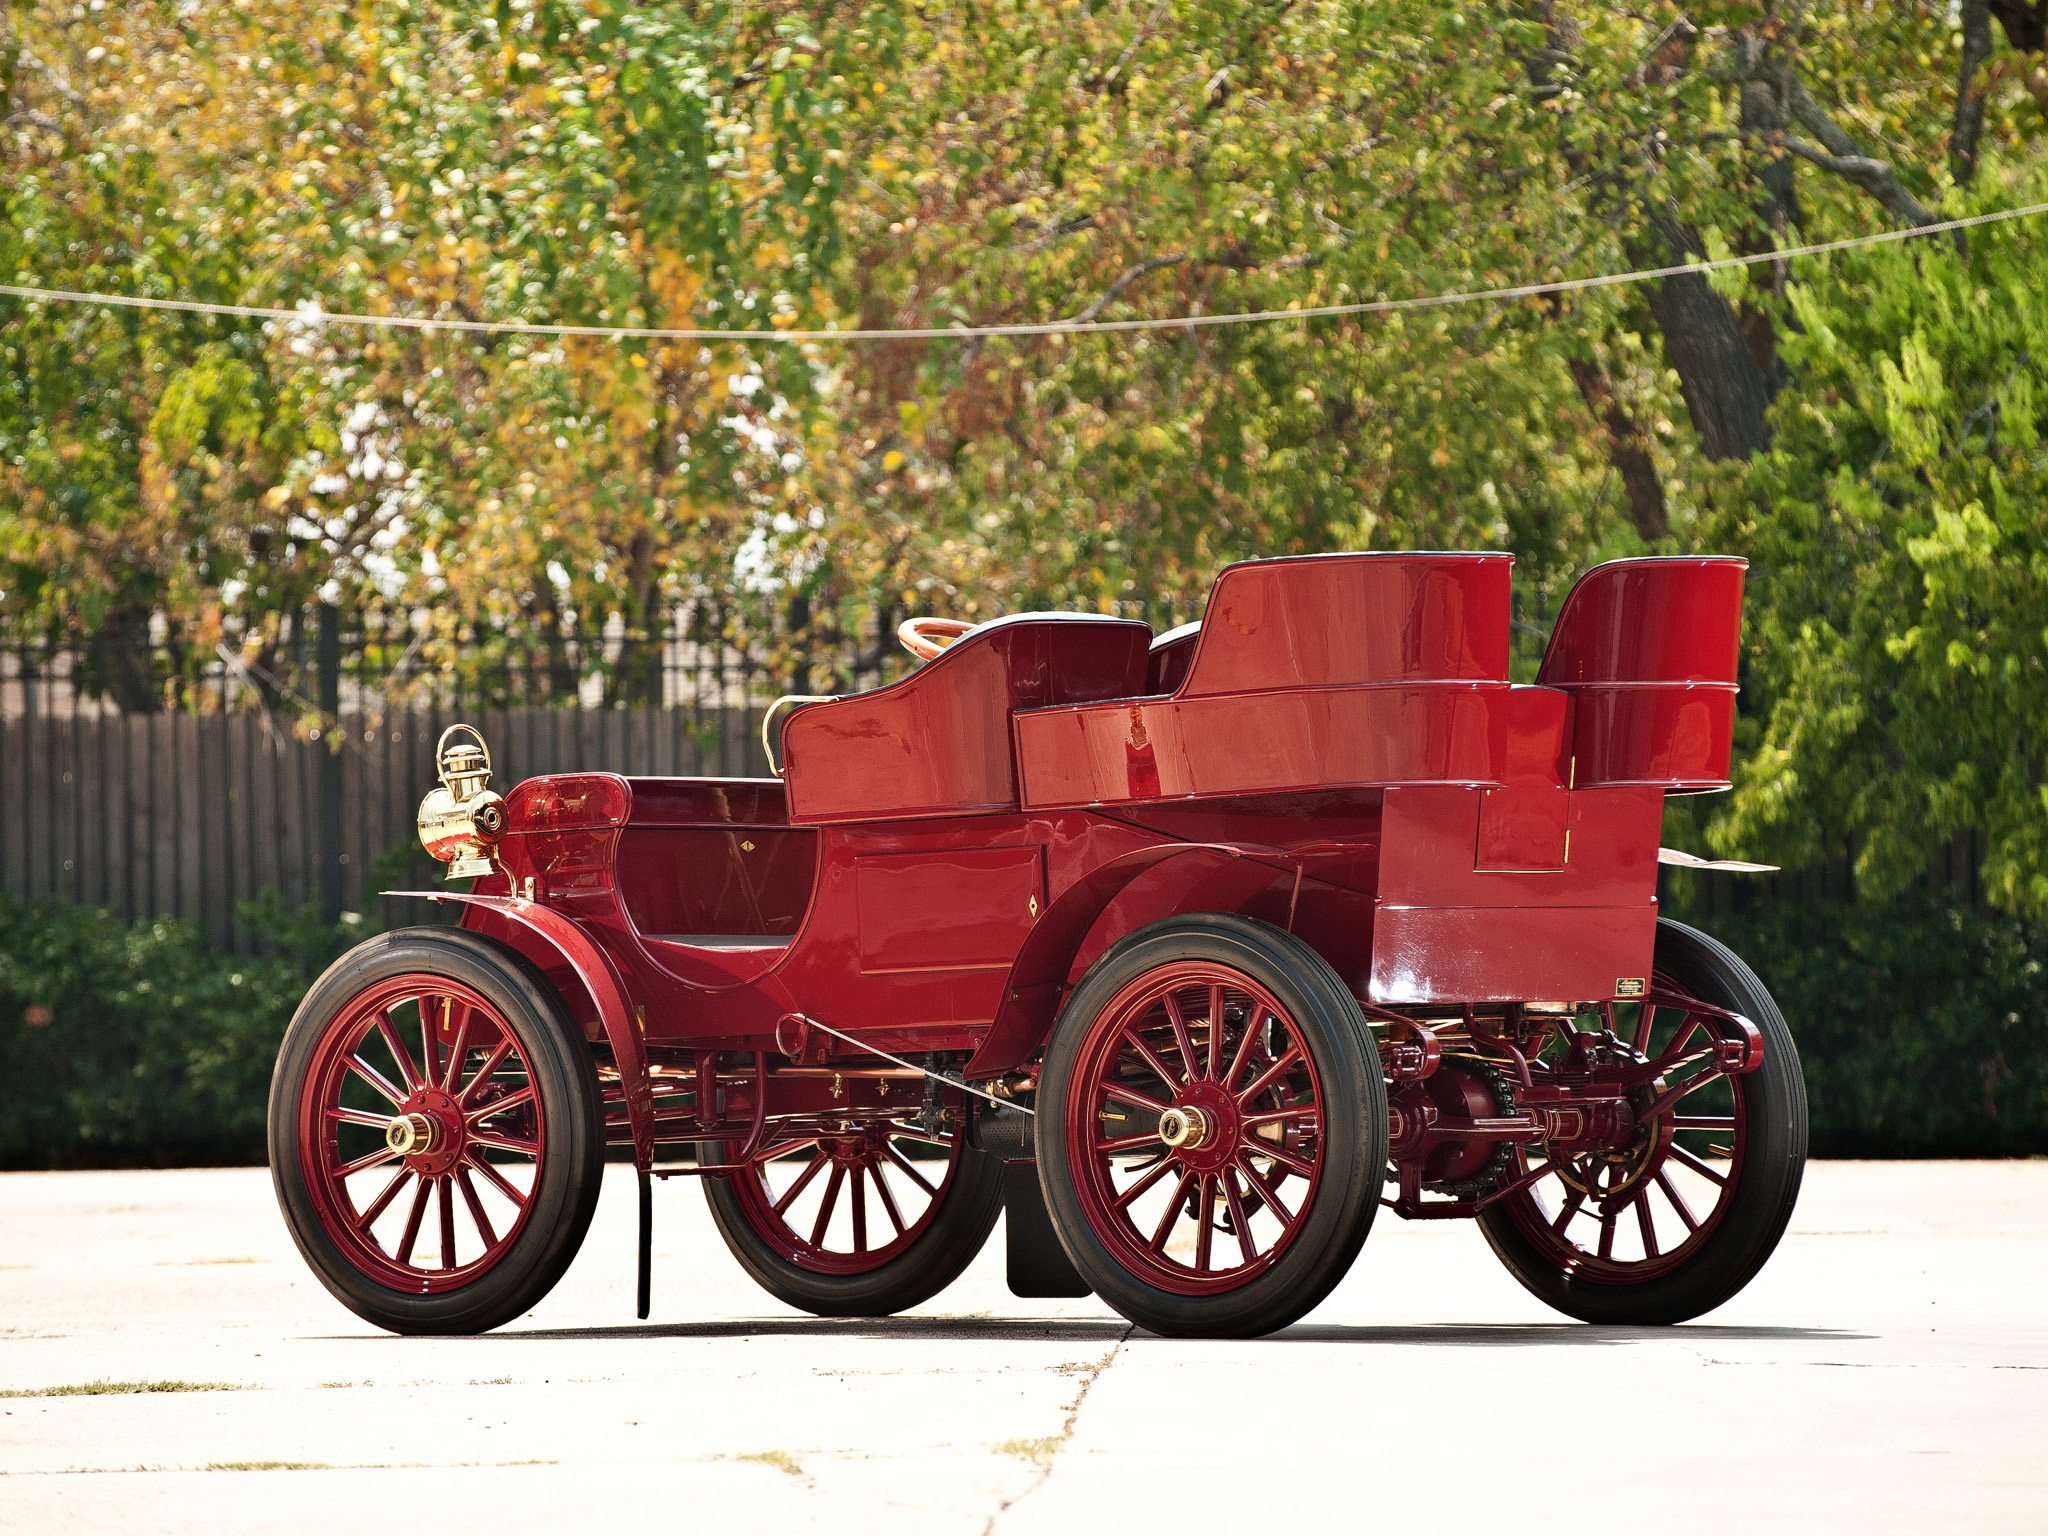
[1183,1128]
[408,1134]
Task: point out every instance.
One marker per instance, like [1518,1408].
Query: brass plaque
[1630,986]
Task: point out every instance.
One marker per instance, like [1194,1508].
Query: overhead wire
[311,315]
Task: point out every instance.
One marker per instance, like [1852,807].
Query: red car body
[1335,749]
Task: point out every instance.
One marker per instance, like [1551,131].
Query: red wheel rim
[1633,1216]
[434,1212]
[844,1202]
[1194,1129]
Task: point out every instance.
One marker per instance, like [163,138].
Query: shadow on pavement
[1109,1330]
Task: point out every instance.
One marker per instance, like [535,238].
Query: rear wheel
[435,1132]
[863,1223]
[1212,1122]
[1681,1219]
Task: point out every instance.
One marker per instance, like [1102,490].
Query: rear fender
[1038,976]
[547,937]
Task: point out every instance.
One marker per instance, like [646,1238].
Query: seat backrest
[1324,621]
[938,742]
[1649,648]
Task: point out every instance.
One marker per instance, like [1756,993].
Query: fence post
[330,763]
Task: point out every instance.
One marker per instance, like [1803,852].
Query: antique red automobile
[1191,950]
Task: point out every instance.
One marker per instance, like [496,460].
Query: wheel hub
[1201,1128]
[1183,1128]
[409,1134]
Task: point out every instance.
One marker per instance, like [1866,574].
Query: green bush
[138,1044]
[1922,1025]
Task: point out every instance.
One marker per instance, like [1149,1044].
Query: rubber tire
[958,1232]
[564,1071]
[1773,1163]
[1355,1133]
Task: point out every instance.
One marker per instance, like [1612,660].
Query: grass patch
[1041,1449]
[266,1466]
[110,1388]
[495,1381]
[782,1461]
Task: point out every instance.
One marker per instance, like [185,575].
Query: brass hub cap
[1183,1127]
[409,1135]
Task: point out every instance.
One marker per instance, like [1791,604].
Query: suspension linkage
[804,1022]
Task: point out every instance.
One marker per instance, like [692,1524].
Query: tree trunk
[1628,450]
[118,660]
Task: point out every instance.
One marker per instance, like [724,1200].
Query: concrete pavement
[1888,1371]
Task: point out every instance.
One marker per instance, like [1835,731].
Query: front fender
[594,969]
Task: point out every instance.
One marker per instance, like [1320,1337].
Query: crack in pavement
[1088,1380]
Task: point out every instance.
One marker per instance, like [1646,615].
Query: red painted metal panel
[938,742]
[948,909]
[1263,743]
[1522,825]
[1649,649]
[718,879]
[1332,621]
[1427,838]
[1508,954]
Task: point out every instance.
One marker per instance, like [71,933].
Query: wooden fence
[188,814]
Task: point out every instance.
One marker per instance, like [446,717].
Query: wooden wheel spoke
[1703,1122]
[784,1148]
[1573,1202]
[1646,1013]
[860,1208]
[457,1049]
[1264,1190]
[377,1080]
[499,1106]
[503,1185]
[407,1072]
[359,1117]
[827,1205]
[504,1143]
[1238,1220]
[1253,1024]
[1215,1031]
[1182,1038]
[1607,1234]
[917,1178]
[366,1161]
[802,1181]
[376,1207]
[476,1207]
[1159,1171]
[887,1197]
[1166,1222]
[1126,1144]
[1151,1059]
[1287,1160]
[1645,1224]
[1271,1075]
[1698,1165]
[1134,1098]
[447,1203]
[412,1221]
[1205,1220]
[1677,1201]
[483,1073]
[1278,1116]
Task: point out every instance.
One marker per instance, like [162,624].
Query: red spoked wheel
[1203,1115]
[422,1122]
[1198,1104]
[435,1132]
[1682,1216]
[861,1220]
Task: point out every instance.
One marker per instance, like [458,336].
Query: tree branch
[1842,155]
[1115,290]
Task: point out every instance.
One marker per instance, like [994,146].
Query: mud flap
[1039,1266]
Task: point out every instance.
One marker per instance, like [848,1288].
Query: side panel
[1523,824]
[1262,743]
[947,910]
[1508,954]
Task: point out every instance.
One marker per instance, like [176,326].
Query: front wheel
[1682,1218]
[1212,1125]
[436,1133]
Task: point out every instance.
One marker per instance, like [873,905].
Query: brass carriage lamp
[462,820]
